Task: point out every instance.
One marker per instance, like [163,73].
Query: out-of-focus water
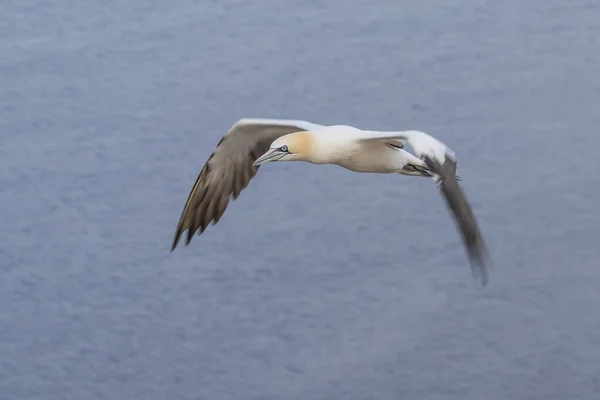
[318,283]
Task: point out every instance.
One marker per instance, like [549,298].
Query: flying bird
[252,142]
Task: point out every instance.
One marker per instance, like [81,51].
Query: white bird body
[342,145]
[371,158]
[355,149]
[253,142]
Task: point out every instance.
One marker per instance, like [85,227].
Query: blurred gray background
[318,283]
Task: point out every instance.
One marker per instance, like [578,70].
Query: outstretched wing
[441,161]
[229,170]
[457,202]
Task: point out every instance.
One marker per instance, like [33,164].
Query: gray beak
[271,155]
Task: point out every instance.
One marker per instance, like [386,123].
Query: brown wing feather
[226,173]
[456,201]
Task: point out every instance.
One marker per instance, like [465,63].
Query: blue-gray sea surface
[318,283]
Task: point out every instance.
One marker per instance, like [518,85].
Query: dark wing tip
[456,201]
[195,197]
[480,261]
[175,240]
[179,231]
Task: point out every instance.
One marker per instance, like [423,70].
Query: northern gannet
[252,142]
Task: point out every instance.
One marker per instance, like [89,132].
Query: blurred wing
[457,203]
[441,161]
[229,170]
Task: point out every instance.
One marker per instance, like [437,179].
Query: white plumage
[252,142]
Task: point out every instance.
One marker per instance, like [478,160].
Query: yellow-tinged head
[297,146]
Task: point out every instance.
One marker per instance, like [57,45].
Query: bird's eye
[284,149]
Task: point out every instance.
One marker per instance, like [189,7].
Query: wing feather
[229,170]
[441,161]
[457,203]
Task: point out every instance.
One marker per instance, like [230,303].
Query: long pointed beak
[271,155]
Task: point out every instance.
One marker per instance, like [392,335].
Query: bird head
[295,146]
